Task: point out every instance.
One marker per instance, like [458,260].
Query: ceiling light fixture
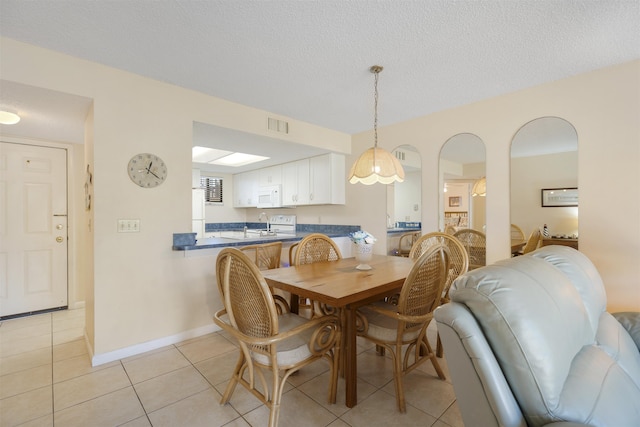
[238,159]
[7,118]
[480,187]
[376,164]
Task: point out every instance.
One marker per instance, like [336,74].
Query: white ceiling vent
[278,125]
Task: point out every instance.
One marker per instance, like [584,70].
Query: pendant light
[376,164]
[480,187]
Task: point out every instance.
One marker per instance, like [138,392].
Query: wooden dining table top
[339,283]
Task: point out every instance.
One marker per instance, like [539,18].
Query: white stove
[283,224]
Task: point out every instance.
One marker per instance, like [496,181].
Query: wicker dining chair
[475,243]
[317,247]
[269,343]
[517,234]
[449,229]
[405,324]
[406,242]
[533,241]
[458,263]
[266,256]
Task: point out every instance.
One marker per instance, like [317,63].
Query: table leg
[350,351]
[294,303]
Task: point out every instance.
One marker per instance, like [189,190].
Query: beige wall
[144,294]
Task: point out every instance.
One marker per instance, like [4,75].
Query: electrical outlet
[128,226]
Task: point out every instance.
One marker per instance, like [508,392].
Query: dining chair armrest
[327,331]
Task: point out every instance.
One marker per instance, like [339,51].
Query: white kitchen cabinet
[270,176]
[245,189]
[315,181]
[197,212]
[295,183]
[327,180]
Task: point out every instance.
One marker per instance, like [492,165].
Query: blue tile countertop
[405,227]
[183,241]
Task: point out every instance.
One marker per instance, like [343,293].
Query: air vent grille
[278,125]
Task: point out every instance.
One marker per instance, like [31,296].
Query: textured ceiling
[310,60]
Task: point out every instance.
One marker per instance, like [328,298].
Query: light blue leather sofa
[528,342]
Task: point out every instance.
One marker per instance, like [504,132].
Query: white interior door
[33,228]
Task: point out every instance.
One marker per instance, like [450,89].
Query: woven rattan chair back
[422,289]
[450,229]
[475,243]
[265,255]
[316,247]
[458,263]
[458,257]
[533,241]
[247,297]
[406,242]
[517,234]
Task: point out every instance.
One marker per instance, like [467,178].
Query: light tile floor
[46,379]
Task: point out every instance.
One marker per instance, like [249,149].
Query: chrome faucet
[266,217]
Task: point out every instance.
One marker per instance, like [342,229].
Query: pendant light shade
[376,164]
[480,187]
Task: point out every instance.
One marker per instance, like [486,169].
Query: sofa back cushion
[564,357]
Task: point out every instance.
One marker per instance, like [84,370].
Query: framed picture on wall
[455,201]
[559,197]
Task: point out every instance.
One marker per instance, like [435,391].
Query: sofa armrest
[631,322]
[483,394]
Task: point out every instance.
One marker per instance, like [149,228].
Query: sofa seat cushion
[564,356]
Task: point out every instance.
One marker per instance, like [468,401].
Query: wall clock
[147,170]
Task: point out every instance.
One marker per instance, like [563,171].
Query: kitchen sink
[250,234]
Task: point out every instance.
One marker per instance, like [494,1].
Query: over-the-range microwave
[270,196]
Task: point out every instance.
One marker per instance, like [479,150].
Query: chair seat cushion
[291,350]
[385,328]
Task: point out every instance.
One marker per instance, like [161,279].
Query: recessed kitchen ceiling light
[238,159]
[206,154]
[7,118]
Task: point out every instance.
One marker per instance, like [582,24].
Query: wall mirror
[544,155]
[462,165]
[404,199]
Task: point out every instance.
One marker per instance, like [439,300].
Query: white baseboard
[100,359]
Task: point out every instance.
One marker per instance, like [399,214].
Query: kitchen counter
[221,242]
[398,230]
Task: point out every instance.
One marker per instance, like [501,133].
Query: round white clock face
[147,170]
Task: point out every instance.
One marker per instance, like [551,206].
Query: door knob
[59,226]
[59,239]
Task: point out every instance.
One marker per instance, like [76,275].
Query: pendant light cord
[376,71]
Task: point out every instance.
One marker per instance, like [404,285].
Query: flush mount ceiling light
[7,118]
[222,157]
[480,187]
[376,164]
[238,159]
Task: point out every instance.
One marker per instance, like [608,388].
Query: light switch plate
[128,226]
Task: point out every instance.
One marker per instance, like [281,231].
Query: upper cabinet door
[327,179]
[295,183]
[270,176]
[245,189]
